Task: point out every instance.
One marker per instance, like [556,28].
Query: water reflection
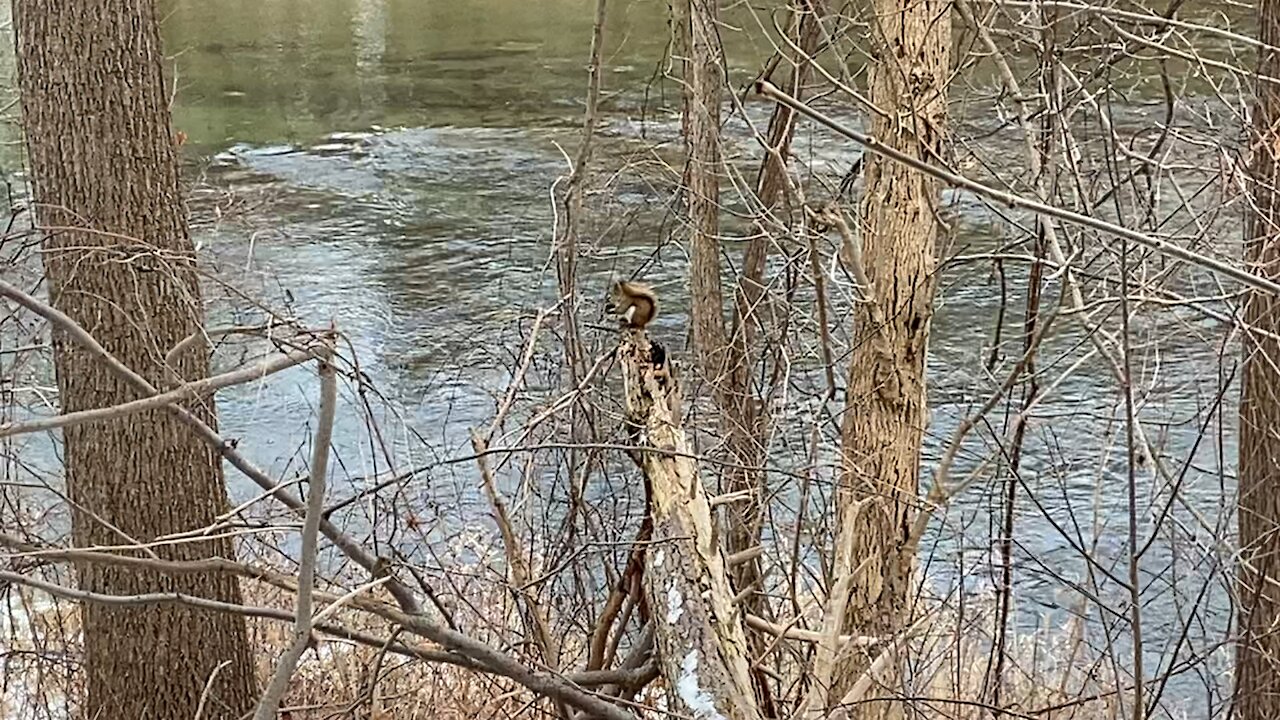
[369,25]
[266,72]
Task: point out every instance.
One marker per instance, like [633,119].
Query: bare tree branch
[189,391]
[279,683]
[349,546]
[1013,200]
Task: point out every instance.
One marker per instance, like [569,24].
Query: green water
[270,72]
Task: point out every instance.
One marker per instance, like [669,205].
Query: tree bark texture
[1258,653]
[698,44]
[120,262]
[885,411]
[702,648]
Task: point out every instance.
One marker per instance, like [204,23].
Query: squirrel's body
[634,302]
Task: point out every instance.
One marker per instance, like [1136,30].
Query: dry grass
[342,679]
[1049,672]
[41,657]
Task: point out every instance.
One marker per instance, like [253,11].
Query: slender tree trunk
[885,412]
[566,242]
[722,364]
[1258,654]
[120,262]
[771,180]
[742,407]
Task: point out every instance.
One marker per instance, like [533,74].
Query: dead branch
[185,393]
[406,598]
[807,636]
[410,613]
[516,556]
[566,242]
[458,649]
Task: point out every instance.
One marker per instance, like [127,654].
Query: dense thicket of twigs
[1075,531]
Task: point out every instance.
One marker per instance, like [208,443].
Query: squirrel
[635,303]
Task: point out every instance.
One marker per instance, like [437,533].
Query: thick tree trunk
[1258,654]
[120,262]
[885,413]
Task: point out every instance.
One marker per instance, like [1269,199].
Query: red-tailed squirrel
[635,303]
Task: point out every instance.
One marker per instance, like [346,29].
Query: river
[386,164]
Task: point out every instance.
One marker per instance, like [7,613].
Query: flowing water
[387,164]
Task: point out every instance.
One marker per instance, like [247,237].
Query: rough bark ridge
[885,411]
[1258,654]
[697,42]
[702,648]
[103,159]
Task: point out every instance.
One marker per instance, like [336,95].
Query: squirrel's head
[613,297]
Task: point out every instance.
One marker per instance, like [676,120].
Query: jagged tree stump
[702,648]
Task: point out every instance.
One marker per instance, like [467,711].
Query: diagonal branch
[405,597]
[189,391]
[1014,200]
[516,556]
[458,649]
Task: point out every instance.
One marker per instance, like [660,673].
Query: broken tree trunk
[702,648]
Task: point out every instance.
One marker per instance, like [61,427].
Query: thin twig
[516,555]
[208,687]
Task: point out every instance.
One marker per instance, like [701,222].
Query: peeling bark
[702,647]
